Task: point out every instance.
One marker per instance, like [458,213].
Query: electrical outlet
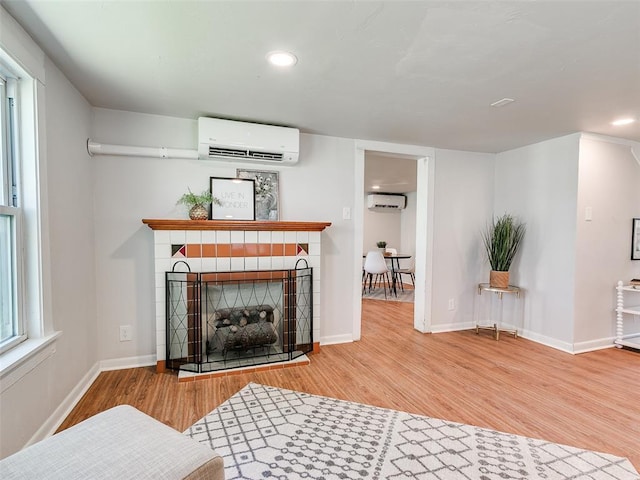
[125,333]
[452,304]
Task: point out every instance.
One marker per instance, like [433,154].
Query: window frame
[10,205]
[20,55]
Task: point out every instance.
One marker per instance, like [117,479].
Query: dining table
[394,259]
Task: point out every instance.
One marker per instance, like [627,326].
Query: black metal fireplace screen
[222,320]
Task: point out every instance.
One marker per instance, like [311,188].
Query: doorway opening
[389,218]
[413,236]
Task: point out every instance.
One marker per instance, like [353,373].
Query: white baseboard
[593,345]
[547,341]
[566,347]
[451,327]
[54,421]
[50,426]
[335,339]
[128,362]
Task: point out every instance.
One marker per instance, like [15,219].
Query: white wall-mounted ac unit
[386,201]
[247,142]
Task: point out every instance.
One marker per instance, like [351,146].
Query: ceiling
[418,72]
[392,173]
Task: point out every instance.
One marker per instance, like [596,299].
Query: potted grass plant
[382,246]
[197,204]
[502,239]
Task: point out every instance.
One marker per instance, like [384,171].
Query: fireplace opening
[222,320]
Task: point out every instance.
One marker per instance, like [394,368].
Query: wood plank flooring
[589,401]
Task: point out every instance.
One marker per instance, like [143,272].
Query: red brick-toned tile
[250,249]
[223,250]
[277,249]
[194,250]
[241,372]
[237,276]
[264,249]
[161,366]
[208,250]
[263,276]
[237,249]
[290,249]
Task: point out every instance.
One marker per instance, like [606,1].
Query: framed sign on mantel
[236,196]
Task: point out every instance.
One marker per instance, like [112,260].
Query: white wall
[396,227]
[28,404]
[608,184]
[408,229]
[381,225]
[539,184]
[463,204]
[130,189]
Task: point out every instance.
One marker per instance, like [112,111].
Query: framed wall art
[635,239]
[266,192]
[236,196]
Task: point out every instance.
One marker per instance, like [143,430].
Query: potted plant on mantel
[502,240]
[197,204]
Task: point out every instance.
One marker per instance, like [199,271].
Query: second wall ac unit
[386,201]
[247,142]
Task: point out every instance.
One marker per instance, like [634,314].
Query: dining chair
[410,270]
[375,269]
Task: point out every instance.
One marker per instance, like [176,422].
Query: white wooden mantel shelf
[239,225]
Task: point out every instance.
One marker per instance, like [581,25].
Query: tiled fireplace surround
[224,246]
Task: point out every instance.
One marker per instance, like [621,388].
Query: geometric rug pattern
[265,432]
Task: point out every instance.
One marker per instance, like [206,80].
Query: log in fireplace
[224,320]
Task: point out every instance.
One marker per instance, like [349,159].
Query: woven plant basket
[498,279]
[198,212]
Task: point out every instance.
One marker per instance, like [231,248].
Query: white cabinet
[628,304]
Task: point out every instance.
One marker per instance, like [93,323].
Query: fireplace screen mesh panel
[222,320]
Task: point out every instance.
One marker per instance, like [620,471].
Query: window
[12,329]
[27,333]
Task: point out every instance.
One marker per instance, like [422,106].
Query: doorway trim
[425,194]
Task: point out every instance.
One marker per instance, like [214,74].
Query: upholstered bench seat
[120,443]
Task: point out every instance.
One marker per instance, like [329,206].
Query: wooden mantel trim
[178,224]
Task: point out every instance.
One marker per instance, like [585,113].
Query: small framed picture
[635,239]
[236,196]
[266,192]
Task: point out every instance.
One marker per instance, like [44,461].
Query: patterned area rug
[378,294]
[266,432]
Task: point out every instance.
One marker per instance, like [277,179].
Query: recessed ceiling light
[375,187]
[282,59]
[623,121]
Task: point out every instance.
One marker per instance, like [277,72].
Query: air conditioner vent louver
[231,152]
[386,201]
[266,155]
[250,142]
[226,152]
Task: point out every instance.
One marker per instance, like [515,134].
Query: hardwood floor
[589,401]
